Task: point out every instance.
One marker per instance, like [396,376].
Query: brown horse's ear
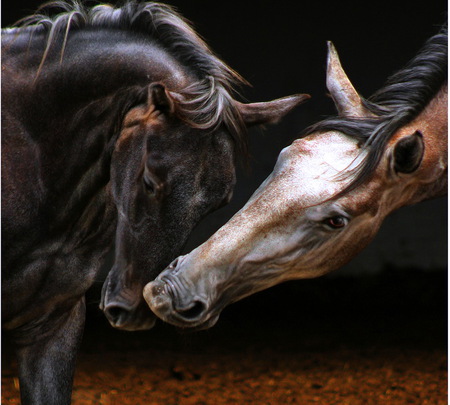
[269,112]
[160,99]
[345,97]
[408,153]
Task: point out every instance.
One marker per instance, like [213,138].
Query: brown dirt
[381,340]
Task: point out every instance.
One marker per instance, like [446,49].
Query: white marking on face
[310,170]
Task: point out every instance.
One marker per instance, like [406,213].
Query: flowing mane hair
[205,104]
[398,102]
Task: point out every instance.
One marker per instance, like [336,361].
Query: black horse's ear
[408,153]
[269,112]
[159,98]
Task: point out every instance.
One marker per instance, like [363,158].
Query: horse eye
[336,222]
[149,185]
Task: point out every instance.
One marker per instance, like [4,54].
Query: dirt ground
[380,340]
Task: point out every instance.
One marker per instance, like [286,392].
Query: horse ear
[160,99]
[269,112]
[408,153]
[345,97]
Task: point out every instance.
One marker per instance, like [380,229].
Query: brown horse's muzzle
[173,300]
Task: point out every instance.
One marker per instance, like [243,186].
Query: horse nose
[174,304]
[174,267]
[174,264]
[191,311]
[117,314]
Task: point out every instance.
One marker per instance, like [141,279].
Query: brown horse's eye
[336,222]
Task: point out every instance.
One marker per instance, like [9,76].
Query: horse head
[325,200]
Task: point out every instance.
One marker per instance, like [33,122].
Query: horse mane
[205,104]
[404,95]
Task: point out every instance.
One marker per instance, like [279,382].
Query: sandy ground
[380,340]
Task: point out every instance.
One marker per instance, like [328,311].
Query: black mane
[207,103]
[399,101]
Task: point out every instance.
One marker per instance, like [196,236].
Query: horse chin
[140,318]
[187,326]
[136,324]
[192,329]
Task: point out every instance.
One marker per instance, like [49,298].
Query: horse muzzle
[121,316]
[126,313]
[178,306]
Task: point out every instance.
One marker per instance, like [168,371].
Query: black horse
[116,123]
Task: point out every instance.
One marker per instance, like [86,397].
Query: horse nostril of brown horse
[174,264]
[192,312]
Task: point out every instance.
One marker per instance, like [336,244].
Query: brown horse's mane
[398,102]
[206,103]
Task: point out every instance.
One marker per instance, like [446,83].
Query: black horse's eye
[336,222]
[152,183]
[149,185]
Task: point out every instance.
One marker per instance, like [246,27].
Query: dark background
[280,48]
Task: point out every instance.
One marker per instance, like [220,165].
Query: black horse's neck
[89,66]
[81,88]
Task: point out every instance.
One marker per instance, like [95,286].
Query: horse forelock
[398,102]
[207,103]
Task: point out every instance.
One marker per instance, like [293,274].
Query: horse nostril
[194,311]
[116,314]
[174,264]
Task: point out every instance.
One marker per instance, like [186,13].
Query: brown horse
[117,124]
[327,196]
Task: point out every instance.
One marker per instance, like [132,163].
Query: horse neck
[89,65]
[71,102]
[430,180]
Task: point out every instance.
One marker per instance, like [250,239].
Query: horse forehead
[321,157]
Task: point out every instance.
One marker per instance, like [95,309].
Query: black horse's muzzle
[125,310]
